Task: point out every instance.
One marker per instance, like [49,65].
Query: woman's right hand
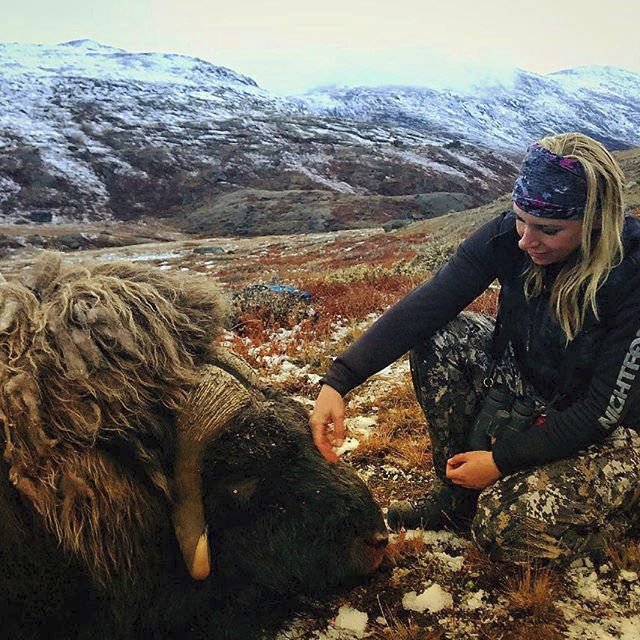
[327,422]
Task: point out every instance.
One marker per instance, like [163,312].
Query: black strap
[500,340]
[502,336]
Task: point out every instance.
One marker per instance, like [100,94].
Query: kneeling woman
[566,342]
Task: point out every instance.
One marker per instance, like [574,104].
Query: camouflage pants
[555,511]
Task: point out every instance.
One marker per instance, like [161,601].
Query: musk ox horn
[237,367]
[210,405]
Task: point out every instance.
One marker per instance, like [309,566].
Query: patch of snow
[475,600]
[630,628]
[361,423]
[432,599]
[352,620]
[581,629]
[7,188]
[206,95]
[139,256]
[453,563]
[97,62]
[349,444]
[395,369]
[587,587]
[78,173]
[423,161]
[440,540]
[299,165]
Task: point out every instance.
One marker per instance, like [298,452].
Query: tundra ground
[432,585]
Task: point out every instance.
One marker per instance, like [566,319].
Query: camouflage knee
[566,508]
[448,373]
[512,535]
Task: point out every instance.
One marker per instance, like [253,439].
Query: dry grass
[358,297]
[523,630]
[625,555]
[398,408]
[378,445]
[398,630]
[457,226]
[486,303]
[401,432]
[402,548]
[316,344]
[479,565]
[342,300]
[532,593]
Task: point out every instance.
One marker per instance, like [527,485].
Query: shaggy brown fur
[91,355]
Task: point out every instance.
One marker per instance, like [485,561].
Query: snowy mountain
[89,59]
[603,102]
[92,132]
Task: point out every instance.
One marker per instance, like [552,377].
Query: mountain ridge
[90,132]
[503,116]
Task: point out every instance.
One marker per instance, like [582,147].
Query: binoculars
[501,413]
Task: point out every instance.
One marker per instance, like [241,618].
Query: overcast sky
[291,45]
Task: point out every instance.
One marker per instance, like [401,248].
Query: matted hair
[574,290]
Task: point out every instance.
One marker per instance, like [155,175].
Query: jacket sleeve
[421,312]
[612,391]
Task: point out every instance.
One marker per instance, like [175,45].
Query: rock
[209,250]
[36,240]
[440,202]
[41,216]
[70,242]
[395,224]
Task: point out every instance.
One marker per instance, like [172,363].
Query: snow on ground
[433,599]
[610,622]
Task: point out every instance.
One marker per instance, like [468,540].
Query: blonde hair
[574,290]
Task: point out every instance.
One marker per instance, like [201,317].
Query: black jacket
[593,379]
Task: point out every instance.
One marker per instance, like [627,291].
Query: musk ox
[151,486]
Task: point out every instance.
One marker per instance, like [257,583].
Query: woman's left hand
[473,469]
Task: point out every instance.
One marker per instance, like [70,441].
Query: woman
[566,340]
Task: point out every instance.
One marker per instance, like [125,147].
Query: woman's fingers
[319,431]
[327,422]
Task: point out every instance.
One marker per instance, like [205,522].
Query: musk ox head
[129,439]
[268,492]
[282,521]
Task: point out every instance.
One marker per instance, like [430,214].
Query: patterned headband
[550,186]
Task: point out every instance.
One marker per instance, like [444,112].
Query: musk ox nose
[378,540]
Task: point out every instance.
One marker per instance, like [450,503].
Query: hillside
[90,133]
[502,115]
[450,227]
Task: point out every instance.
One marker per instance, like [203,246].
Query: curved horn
[237,367]
[209,407]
